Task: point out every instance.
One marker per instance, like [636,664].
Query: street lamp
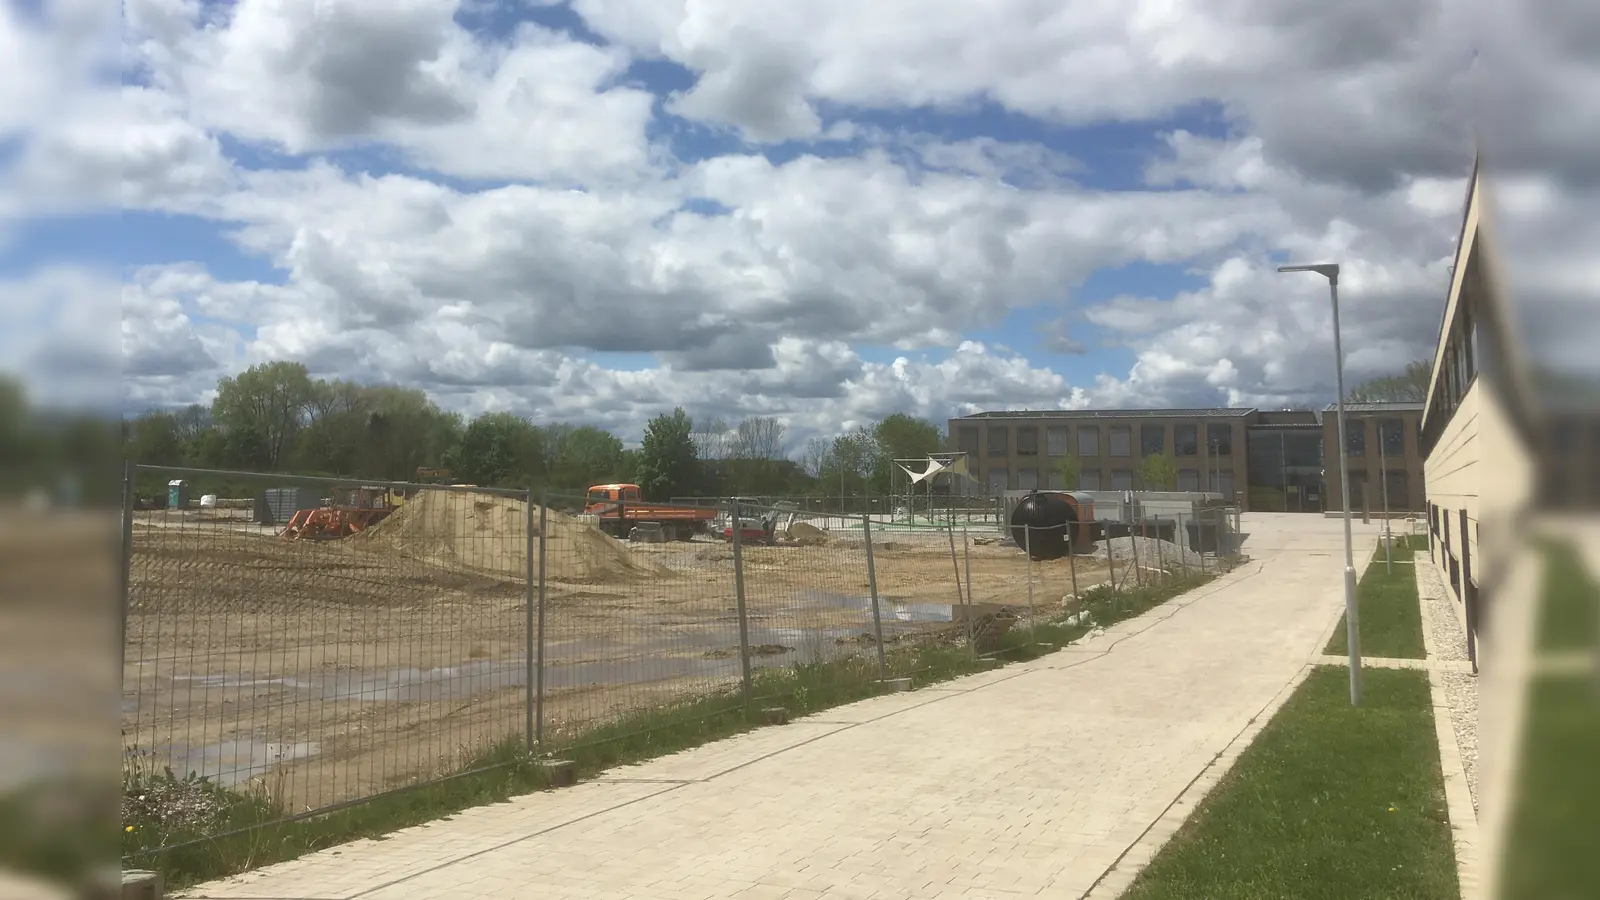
[1352,617]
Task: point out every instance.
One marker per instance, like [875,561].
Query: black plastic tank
[1042,523]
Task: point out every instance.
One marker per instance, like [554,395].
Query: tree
[154,439]
[1070,468]
[262,411]
[1410,385]
[848,467]
[580,456]
[668,465]
[1158,472]
[758,437]
[901,436]
[713,439]
[815,456]
[498,450]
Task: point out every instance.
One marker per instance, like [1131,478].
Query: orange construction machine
[348,511]
[620,508]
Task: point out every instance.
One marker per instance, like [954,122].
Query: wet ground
[334,674]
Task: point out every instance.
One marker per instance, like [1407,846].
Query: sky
[594,211]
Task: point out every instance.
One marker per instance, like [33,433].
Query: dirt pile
[489,534]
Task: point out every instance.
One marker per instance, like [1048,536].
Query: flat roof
[1214,413]
[1382,406]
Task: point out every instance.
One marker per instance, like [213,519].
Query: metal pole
[1383,472]
[1352,613]
[737,528]
[1133,544]
[529,566]
[544,553]
[125,573]
[872,585]
[966,562]
[1027,547]
[1072,565]
[956,563]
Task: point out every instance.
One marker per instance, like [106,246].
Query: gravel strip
[1460,689]
[1449,640]
[1461,693]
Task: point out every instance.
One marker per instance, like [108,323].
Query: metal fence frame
[535,620]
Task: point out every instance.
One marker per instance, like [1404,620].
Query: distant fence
[384,635]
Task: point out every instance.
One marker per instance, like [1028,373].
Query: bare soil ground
[327,671]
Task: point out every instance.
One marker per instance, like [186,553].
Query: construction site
[322,666]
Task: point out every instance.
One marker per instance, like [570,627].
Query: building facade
[1023,450]
[1477,433]
[1264,460]
[1384,447]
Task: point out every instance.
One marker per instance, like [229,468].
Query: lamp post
[1351,613]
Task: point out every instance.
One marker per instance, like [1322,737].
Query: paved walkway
[1031,780]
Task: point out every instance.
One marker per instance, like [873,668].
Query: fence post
[736,529]
[1111,563]
[125,570]
[544,552]
[872,586]
[1133,544]
[1161,559]
[1072,565]
[1027,548]
[956,564]
[966,562]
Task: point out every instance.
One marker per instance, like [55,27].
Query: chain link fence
[297,645]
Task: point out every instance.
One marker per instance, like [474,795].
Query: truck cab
[605,495]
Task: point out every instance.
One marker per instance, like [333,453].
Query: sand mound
[489,534]
[807,535]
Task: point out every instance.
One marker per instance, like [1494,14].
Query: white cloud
[1345,138]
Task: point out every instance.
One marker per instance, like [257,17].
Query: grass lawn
[1552,835]
[1329,803]
[1569,617]
[1391,617]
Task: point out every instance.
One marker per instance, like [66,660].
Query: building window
[967,440]
[1219,438]
[1392,437]
[1152,440]
[998,443]
[1088,440]
[1188,479]
[1355,438]
[1027,479]
[1121,441]
[1056,482]
[1057,440]
[1028,440]
[998,481]
[1089,480]
[1122,479]
[1186,440]
[1221,482]
[1395,482]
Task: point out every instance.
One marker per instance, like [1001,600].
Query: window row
[1060,440]
[1391,434]
[1028,479]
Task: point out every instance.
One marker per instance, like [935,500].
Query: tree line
[275,418]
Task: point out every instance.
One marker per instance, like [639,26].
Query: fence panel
[634,626]
[315,658]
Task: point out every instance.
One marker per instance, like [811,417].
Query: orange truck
[620,508]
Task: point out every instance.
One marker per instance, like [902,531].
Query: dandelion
[128,829]
[1391,809]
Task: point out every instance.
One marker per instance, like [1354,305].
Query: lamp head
[1328,270]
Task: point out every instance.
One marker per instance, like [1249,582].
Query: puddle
[231,763]
[890,609]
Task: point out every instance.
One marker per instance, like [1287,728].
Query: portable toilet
[177,494]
